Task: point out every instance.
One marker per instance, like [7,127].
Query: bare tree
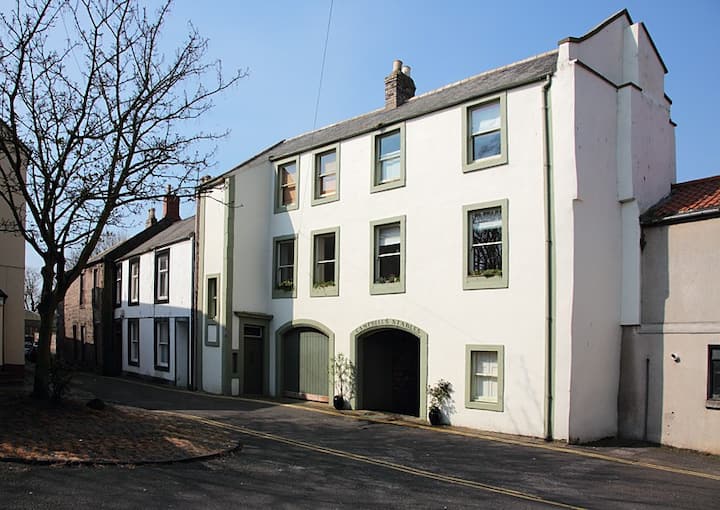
[33,283]
[96,118]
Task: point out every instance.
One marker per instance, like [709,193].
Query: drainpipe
[550,256]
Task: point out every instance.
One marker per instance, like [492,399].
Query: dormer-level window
[327,176]
[286,185]
[388,159]
[162,276]
[485,128]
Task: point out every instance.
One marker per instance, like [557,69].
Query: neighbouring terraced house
[486,233]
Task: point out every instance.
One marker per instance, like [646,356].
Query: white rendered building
[485,233]
[153,296]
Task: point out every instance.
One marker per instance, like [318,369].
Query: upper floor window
[327,176]
[285,262]
[118,284]
[162,276]
[485,240]
[325,262]
[388,160]
[212,298]
[134,291]
[485,129]
[388,268]
[96,283]
[286,185]
[82,289]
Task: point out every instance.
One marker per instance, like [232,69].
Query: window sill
[485,282]
[329,291]
[135,364]
[387,288]
[285,208]
[482,164]
[385,186]
[135,303]
[160,301]
[325,200]
[284,294]
[162,369]
[485,406]
[712,404]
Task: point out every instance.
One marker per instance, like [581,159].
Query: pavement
[41,432]
[303,455]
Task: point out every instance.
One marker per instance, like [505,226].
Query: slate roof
[178,231]
[687,201]
[517,74]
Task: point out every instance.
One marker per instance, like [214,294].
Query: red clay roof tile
[686,198]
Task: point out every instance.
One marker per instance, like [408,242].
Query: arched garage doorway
[391,361]
[304,348]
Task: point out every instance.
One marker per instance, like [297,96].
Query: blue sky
[281,44]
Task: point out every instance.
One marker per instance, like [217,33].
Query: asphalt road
[299,458]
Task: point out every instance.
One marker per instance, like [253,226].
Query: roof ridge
[431,92]
[695,181]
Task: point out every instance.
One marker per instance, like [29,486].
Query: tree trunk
[46,309]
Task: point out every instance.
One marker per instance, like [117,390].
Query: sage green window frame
[376,186]
[279,206]
[318,200]
[329,290]
[281,293]
[212,323]
[479,404]
[470,165]
[390,287]
[484,282]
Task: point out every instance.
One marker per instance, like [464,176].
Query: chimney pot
[151,220]
[406,70]
[397,65]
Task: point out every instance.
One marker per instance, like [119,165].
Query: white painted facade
[147,312]
[606,110]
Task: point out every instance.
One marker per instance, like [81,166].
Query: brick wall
[84,317]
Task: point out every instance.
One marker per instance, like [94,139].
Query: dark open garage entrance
[389,370]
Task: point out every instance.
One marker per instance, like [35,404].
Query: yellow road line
[378,462]
[474,435]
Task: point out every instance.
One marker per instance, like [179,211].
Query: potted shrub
[343,374]
[439,394]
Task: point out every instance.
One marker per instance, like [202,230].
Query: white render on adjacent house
[155,310]
[587,145]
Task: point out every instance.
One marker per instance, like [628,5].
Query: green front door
[305,364]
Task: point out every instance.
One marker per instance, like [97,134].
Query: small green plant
[487,273]
[344,376]
[60,377]
[440,394]
[388,279]
[286,285]
[322,285]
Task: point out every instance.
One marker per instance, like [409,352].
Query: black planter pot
[435,416]
[339,402]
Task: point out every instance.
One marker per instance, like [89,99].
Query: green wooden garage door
[305,364]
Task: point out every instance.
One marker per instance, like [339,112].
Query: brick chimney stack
[151,220]
[399,87]
[171,206]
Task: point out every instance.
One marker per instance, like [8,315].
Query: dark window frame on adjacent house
[713,377]
[117,290]
[133,279]
[159,296]
[82,289]
[136,323]
[157,343]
